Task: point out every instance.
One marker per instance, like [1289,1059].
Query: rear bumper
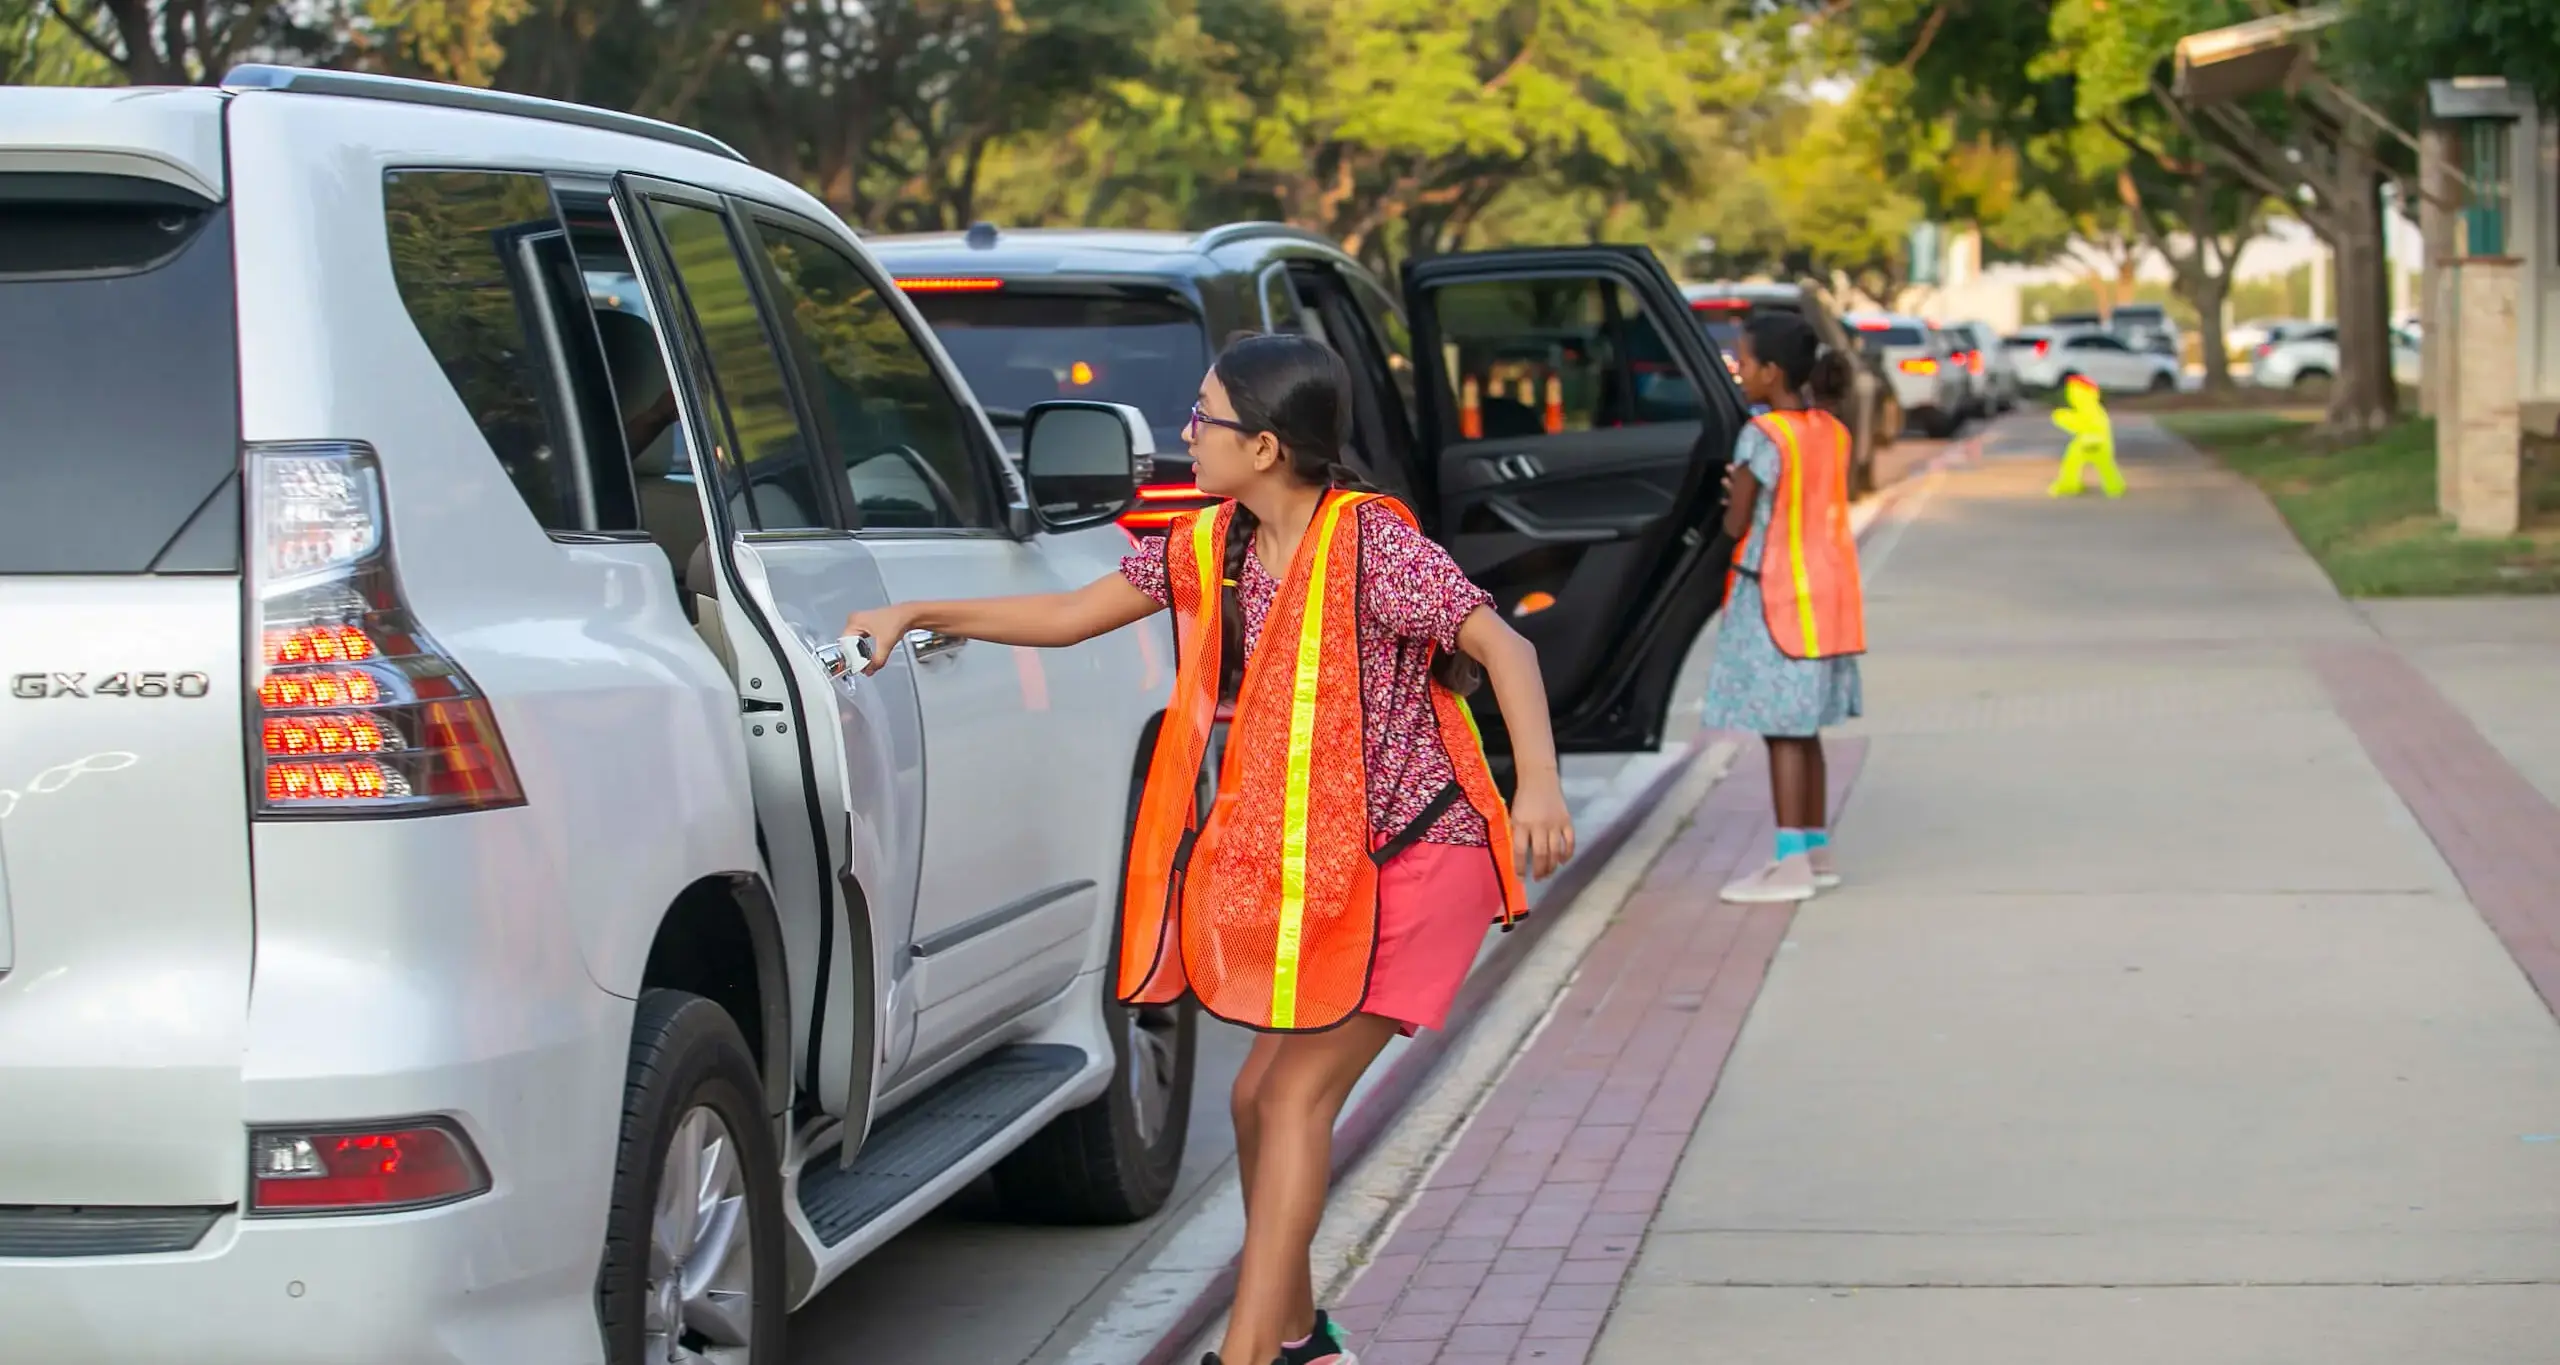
[460,1285]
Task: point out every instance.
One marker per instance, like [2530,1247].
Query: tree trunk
[2365,399]
[2206,292]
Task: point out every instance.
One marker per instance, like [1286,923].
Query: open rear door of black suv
[1576,429]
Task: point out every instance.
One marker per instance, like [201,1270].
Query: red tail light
[2043,345]
[1159,504]
[364,1170]
[949,284]
[1973,361]
[1918,365]
[359,711]
[2265,349]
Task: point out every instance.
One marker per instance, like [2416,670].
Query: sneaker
[1321,1347]
[1826,871]
[1788,879]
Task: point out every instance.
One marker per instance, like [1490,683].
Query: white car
[2308,359]
[1928,375]
[1995,371]
[457,902]
[2048,358]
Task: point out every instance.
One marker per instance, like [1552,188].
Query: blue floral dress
[1752,687]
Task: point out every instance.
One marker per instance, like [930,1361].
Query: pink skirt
[1435,902]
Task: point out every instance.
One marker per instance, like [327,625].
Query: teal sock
[1792,842]
[1817,838]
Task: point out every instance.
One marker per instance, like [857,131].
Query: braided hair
[1297,389]
[1789,342]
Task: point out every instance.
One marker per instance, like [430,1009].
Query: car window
[772,457]
[1387,327]
[472,254]
[1890,334]
[1550,355]
[1280,302]
[2093,343]
[1017,348]
[118,380]
[907,457]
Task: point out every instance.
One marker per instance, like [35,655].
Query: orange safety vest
[1808,570]
[1268,911]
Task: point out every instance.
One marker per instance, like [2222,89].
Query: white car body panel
[480,967]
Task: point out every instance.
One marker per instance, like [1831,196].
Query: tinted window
[1017,349]
[119,410]
[1386,322]
[771,458]
[1532,356]
[2093,343]
[897,429]
[1892,336]
[466,251]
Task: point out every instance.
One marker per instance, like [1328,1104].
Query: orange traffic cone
[1555,404]
[1470,410]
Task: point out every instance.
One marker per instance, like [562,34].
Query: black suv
[1551,415]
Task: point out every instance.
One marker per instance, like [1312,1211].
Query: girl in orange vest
[1794,620]
[1328,913]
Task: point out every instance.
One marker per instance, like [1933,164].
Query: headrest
[631,354]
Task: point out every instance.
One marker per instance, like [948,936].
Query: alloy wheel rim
[699,1305]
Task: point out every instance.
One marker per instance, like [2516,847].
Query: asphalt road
[966,1287]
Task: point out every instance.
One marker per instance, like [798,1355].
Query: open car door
[1575,430]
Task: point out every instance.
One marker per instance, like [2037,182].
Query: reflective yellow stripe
[1206,558]
[1791,479]
[1293,807]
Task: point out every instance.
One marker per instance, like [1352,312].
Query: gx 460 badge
[46,686]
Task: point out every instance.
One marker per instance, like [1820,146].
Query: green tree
[2394,47]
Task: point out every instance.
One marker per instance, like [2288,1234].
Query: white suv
[455,904]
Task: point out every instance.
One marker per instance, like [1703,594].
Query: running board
[944,1127]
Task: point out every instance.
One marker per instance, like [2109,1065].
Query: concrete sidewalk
[2172,1011]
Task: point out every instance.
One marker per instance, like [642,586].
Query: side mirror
[1083,461]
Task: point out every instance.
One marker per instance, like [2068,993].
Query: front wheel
[693,1268]
[2162,383]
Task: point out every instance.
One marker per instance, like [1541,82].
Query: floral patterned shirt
[1413,597]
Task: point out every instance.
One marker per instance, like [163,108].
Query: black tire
[686,1055]
[2161,383]
[2311,381]
[1101,1163]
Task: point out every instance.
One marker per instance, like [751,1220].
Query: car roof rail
[399,90]
[1232,233]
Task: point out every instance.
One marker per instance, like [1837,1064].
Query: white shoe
[1788,879]
[1826,872]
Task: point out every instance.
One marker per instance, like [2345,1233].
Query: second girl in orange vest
[1338,889]
[1794,622]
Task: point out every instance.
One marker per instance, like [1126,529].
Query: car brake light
[361,1170]
[1919,365]
[2043,345]
[1148,518]
[1973,361]
[359,711]
[1874,325]
[2265,349]
[1719,306]
[949,284]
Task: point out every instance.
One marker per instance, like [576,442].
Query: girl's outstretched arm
[1047,620]
[1541,827]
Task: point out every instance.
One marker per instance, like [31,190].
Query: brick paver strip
[1516,1247]
[2497,831]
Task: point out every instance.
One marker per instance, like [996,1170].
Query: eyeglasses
[1199,419]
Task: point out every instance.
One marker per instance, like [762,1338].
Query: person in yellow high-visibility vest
[2093,441]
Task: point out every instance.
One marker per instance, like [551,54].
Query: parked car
[2047,357]
[1551,415]
[465,907]
[1931,388]
[1871,416]
[2243,340]
[2308,359]
[1995,371]
[1964,363]
[2148,327]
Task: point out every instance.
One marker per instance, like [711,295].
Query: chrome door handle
[831,658]
[932,644]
